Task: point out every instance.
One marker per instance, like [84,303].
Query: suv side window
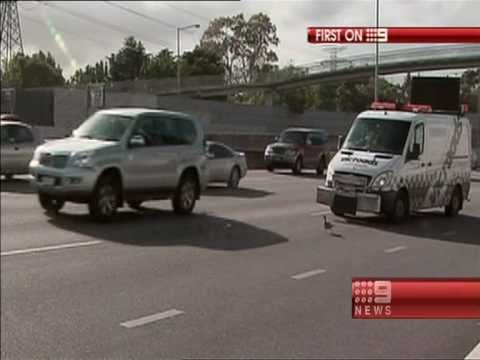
[184,130]
[20,134]
[164,130]
[317,138]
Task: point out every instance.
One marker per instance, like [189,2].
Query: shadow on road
[240,192]
[153,227]
[19,186]
[432,224]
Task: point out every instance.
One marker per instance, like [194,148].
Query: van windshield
[102,126]
[378,135]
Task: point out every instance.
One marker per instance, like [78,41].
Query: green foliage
[201,61]
[37,70]
[91,74]
[244,45]
[128,63]
[161,65]
[470,89]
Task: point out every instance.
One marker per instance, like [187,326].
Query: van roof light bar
[401,107]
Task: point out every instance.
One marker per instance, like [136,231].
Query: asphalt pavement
[252,273]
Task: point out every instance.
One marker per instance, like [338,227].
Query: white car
[225,164]
[18,143]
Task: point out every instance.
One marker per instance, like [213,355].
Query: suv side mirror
[308,141]
[210,155]
[415,153]
[136,140]
[11,140]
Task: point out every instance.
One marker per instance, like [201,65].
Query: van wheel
[270,168]
[455,204]
[8,177]
[50,204]
[185,196]
[297,167]
[104,202]
[400,210]
[136,205]
[234,178]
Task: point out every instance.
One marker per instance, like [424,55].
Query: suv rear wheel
[185,196]
[321,166]
[104,202]
[50,204]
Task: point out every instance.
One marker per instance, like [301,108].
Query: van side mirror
[414,153]
[136,140]
[276,138]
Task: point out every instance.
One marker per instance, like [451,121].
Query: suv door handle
[430,163]
[422,164]
[16,148]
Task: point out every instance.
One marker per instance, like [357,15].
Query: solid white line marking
[395,249]
[151,318]
[48,248]
[309,274]
[474,354]
[319,213]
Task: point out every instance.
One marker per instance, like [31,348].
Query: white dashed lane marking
[395,249]
[49,248]
[151,318]
[309,274]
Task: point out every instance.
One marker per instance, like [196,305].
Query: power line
[188,12]
[161,22]
[97,41]
[97,22]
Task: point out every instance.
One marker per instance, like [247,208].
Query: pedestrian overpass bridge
[445,57]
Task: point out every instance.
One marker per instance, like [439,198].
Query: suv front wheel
[185,195]
[297,166]
[104,202]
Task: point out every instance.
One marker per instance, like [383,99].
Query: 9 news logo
[371,299]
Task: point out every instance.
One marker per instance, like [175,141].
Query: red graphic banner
[415,298]
[363,35]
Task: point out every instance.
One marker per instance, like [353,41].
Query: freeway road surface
[251,274]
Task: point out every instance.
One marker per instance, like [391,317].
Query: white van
[400,159]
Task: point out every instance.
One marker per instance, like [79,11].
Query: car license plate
[345,204]
[47,180]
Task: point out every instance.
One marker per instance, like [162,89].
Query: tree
[161,65]
[129,62]
[91,74]
[470,88]
[37,70]
[245,46]
[201,61]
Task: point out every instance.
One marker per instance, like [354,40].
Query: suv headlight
[36,154]
[82,159]
[383,180]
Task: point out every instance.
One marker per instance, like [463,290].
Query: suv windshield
[103,126]
[378,135]
[292,137]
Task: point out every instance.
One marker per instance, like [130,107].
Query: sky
[100,26]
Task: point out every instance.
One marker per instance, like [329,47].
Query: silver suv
[123,155]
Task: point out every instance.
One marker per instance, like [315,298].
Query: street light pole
[179,29]
[376,51]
